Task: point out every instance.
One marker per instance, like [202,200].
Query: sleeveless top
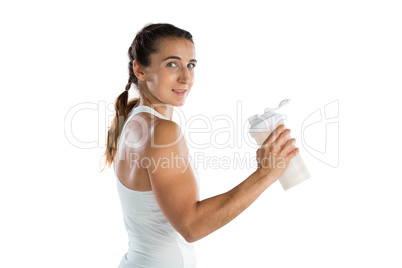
[153,242]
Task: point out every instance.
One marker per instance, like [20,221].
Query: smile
[179,92]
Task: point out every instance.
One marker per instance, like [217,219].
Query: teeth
[178,90]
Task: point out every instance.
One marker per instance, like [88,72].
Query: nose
[185,77]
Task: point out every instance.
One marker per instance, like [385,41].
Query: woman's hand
[275,153]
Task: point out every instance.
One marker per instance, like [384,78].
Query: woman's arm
[175,187]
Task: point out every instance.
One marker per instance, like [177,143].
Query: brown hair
[144,44]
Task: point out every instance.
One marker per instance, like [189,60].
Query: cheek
[167,79]
[152,81]
[192,78]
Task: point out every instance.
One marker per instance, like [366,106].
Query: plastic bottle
[261,127]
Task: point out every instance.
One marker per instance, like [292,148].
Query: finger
[288,147]
[273,136]
[293,153]
[282,138]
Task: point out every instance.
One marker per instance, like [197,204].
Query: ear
[138,71]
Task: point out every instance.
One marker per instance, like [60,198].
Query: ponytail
[122,109]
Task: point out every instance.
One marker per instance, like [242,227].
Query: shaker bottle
[261,127]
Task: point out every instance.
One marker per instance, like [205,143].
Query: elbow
[190,235]
[193,230]
[191,238]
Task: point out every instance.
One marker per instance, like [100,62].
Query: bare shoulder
[148,132]
[166,134]
[169,154]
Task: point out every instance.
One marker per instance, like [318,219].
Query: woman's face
[170,76]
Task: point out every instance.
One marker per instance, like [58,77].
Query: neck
[164,109]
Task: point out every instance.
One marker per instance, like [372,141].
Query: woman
[161,208]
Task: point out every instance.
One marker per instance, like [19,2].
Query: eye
[191,65]
[171,64]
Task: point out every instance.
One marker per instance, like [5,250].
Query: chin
[179,104]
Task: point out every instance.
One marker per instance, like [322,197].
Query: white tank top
[153,242]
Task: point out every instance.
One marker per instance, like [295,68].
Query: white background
[59,210]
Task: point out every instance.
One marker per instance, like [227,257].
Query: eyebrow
[178,58]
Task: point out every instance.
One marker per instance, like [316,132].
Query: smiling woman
[158,188]
[172,71]
[161,66]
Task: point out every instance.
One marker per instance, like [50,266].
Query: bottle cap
[270,117]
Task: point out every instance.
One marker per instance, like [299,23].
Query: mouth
[179,91]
